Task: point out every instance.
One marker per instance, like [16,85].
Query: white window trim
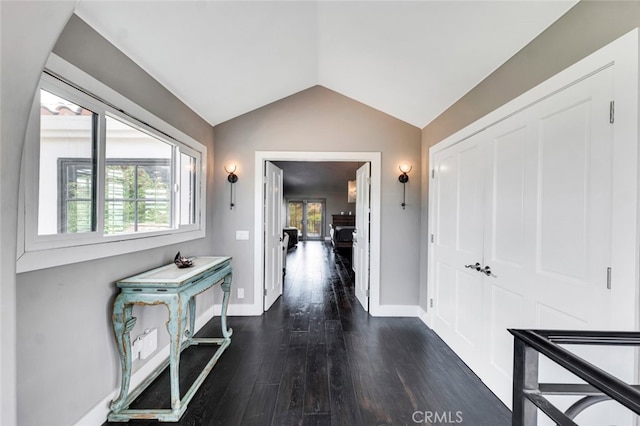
[44,252]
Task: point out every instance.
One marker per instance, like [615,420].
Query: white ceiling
[411,60]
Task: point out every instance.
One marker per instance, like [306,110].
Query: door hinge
[265,179]
[612,111]
[433,173]
[431,303]
[265,292]
[609,278]
[369,181]
[367,292]
[432,238]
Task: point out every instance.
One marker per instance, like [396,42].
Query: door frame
[375,158]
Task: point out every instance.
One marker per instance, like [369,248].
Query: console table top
[170,275]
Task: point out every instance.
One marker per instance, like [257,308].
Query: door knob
[477,266]
[487,271]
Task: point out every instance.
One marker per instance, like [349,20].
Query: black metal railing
[529,395]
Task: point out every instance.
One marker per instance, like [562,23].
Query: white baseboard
[396,311]
[98,414]
[424,317]
[238,310]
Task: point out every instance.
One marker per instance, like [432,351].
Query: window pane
[138,180]
[153,215]
[119,217]
[66,201]
[314,219]
[187,189]
[295,214]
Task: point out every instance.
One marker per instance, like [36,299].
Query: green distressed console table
[176,288]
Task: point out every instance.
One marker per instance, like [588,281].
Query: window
[103,176]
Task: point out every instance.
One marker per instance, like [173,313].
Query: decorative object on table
[182,262]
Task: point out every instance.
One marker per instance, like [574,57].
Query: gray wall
[319,119]
[28,32]
[67,360]
[585,28]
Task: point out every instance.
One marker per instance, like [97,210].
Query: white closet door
[458,243]
[531,198]
[548,222]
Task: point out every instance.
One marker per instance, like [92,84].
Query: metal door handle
[487,271]
[477,266]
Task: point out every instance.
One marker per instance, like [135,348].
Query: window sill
[49,258]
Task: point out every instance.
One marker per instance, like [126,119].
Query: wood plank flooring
[317,358]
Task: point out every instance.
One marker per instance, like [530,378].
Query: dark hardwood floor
[317,358]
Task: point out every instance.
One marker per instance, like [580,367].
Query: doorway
[375,159]
[308,216]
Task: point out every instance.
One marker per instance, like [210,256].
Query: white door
[549,209]
[361,235]
[273,235]
[458,240]
[532,199]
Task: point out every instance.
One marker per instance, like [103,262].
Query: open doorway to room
[320,168]
[313,193]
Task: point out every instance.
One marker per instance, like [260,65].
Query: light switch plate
[242,235]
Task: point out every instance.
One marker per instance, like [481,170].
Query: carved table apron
[175,288]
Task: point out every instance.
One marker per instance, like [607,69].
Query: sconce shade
[405,168]
[230,168]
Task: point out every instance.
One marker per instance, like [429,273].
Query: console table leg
[176,327]
[226,288]
[192,317]
[123,322]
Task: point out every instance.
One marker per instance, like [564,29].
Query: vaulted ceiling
[409,59]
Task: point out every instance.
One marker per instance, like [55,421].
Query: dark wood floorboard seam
[316,358]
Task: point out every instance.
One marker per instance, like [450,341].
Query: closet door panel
[458,240]
[508,197]
[508,207]
[575,172]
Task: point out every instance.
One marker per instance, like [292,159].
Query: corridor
[317,358]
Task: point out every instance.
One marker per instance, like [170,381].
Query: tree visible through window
[76,207]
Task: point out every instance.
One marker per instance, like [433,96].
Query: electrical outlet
[149,343]
[241,293]
[136,347]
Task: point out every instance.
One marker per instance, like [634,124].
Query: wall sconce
[404,178]
[232,178]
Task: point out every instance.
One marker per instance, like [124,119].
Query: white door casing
[361,235]
[553,173]
[375,159]
[273,235]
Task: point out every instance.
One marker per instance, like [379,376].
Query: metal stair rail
[530,395]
